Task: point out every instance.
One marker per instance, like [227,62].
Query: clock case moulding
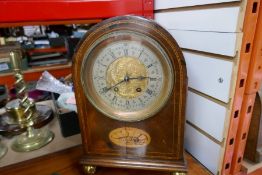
[166,128]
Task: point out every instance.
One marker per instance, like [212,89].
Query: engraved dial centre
[127,74]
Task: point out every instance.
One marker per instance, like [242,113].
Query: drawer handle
[220,80]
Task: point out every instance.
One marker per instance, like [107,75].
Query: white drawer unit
[201,147]
[210,34]
[209,75]
[160,4]
[220,19]
[206,115]
[212,42]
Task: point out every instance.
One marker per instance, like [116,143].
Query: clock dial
[127,76]
[127,82]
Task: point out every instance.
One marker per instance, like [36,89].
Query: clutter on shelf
[64,102]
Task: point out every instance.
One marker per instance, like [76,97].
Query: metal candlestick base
[32,139]
[3,150]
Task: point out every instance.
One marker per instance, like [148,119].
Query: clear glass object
[3,149]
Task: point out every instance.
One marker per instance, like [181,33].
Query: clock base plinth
[175,166]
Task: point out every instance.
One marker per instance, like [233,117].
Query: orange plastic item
[253,85]
[250,22]
[242,132]
[255,67]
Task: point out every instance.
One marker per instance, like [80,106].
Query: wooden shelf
[35,73]
[67,162]
[47,50]
[55,22]
[250,167]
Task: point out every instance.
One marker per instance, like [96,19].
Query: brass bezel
[97,101]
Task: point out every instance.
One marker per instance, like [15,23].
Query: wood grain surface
[66,163]
[166,127]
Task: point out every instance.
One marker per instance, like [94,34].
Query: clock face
[127,75]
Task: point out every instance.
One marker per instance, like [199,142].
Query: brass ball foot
[89,169]
[179,173]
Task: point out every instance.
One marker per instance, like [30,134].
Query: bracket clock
[130,84]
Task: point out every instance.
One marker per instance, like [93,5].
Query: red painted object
[13,11]
[32,12]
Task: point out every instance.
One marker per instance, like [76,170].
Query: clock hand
[126,79]
[109,88]
[140,78]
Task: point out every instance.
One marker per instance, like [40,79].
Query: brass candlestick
[32,139]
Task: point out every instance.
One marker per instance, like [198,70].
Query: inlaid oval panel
[129,137]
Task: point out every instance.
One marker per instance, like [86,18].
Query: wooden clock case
[166,129]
